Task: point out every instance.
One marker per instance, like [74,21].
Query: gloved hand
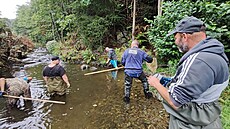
[163,80]
[2,93]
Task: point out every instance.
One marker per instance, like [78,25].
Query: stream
[92,102]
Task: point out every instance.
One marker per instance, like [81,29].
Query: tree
[160,7]
[134,16]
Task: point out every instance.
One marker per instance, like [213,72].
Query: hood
[209,45]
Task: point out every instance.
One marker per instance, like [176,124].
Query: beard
[183,48]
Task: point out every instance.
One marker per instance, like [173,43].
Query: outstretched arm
[2,84]
[45,79]
[65,78]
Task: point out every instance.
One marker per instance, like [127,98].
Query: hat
[188,25]
[55,58]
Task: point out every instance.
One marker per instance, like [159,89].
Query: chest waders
[201,113]
[56,85]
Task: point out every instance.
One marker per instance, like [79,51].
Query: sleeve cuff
[174,101]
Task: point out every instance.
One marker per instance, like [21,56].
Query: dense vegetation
[81,24]
[80,29]
[215,15]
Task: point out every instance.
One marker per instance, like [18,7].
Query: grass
[225,103]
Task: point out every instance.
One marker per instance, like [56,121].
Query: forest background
[79,30]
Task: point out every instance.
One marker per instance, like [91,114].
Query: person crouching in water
[15,87]
[55,77]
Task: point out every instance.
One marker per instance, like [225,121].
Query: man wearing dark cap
[55,77]
[191,98]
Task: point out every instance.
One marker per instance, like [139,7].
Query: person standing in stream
[132,60]
[55,77]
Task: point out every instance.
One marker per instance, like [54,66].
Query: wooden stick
[43,100]
[107,70]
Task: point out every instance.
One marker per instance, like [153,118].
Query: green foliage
[119,51]
[93,30]
[225,99]
[53,46]
[172,66]
[215,16]
[88,55]
[2,23]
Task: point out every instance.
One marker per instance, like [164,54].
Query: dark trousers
[129,80]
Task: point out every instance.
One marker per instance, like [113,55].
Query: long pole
[43,100]
[107,70]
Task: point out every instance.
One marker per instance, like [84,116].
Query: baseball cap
[55,58]
[188,25]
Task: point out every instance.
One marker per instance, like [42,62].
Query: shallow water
[93,101]
[84,91]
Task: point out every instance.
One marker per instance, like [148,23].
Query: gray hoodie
[200,70]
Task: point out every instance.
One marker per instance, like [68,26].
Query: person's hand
[2,93]
[68,85]
[153,81]
[163,80]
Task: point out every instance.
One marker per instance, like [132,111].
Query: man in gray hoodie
[191,98]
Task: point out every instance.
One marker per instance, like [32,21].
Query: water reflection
[114,74]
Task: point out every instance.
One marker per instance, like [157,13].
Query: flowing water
[93,101]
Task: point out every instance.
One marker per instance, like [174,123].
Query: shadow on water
[93,101]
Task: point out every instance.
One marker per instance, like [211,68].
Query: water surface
[93,101]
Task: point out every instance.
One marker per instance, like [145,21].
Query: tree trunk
[64,13]
[53,26]
[134,15]
[160,2]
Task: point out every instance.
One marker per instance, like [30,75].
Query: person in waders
[55,77]
[112,59]
[15,87]
[191,97]
[132,60]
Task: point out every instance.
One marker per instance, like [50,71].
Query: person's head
[55,59]
[188,32]
[107,49]
[135,43]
